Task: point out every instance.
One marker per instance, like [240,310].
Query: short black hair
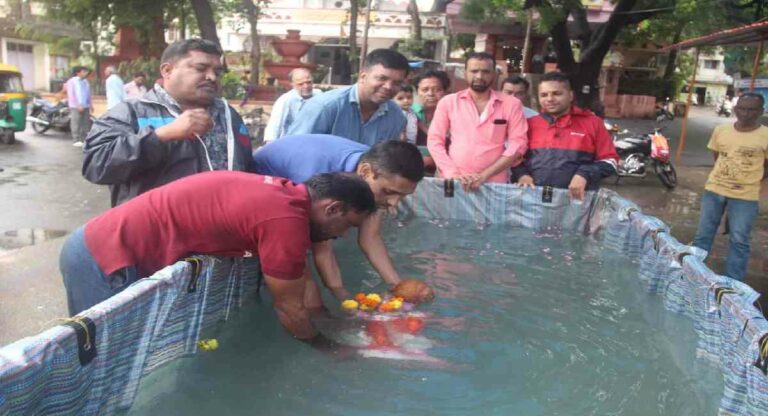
[139,74]
[556,76]
[516,80]
[388,59]
[406,88]
[79,68]
[182,48]
[753,95]
[442,76]
[480,56]
[396,157]
[346,188]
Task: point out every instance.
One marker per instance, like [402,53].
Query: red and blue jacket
[576,143]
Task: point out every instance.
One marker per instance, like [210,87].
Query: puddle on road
[13,239]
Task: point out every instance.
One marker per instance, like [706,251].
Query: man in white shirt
[287,106]
[114,87]
[136,88]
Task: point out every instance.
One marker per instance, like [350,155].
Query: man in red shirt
[568,147]
[217,213]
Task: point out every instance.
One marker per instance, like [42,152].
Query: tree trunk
[584,84]
[182,21]
[364,47]
[354,10]
[206,24]
[669,70]
[253,20]
[413,10]
[595,45]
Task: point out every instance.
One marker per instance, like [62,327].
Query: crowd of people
[333,161]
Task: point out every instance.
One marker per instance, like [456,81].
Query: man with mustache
[487,129]
[174,130]
[363,112]
[216,213]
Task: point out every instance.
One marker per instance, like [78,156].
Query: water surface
[525,323]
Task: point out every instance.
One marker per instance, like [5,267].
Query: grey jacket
[123,151]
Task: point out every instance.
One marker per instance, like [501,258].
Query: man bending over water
[213,213]
[392,169]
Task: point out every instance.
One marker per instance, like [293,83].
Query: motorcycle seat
[51,108]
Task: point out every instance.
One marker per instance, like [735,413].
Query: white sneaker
[77,144]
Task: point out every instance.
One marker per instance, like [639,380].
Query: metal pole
[365,37]
[756,65]
[681,145]
[525,64]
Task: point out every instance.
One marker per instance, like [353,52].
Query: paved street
[43,197]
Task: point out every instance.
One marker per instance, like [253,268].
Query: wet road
[43,196]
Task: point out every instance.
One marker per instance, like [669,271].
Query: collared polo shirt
[337,112]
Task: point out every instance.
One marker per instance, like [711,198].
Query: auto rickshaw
[13,103]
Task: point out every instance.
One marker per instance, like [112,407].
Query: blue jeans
[741,215]
[85,283]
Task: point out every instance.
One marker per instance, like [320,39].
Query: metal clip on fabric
[762,357]
[197,266]
[546,194]
[448,188]
[720,291]
[85,330]
[681,256]
[655,238]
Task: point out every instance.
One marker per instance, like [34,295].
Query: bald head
[301,79]
[110,70]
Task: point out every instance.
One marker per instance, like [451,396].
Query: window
[10,83]
[19,47]
[711,64]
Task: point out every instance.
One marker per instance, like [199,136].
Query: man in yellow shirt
[741,151]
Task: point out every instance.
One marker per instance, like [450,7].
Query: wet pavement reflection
[13,239]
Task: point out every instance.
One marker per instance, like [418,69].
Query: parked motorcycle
[663,111]
[640,153]
[45,116]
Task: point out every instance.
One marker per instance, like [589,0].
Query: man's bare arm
[288,301]
[328,268]
[370,241]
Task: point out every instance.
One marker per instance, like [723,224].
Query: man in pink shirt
[488,131]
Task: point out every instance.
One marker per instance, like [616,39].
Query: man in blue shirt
[392,168]
[517,87]
[287,106]
[363,112]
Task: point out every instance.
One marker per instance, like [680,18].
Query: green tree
[593,41]
[93,17]
[689,19]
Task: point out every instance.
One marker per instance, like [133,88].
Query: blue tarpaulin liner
[161,318]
